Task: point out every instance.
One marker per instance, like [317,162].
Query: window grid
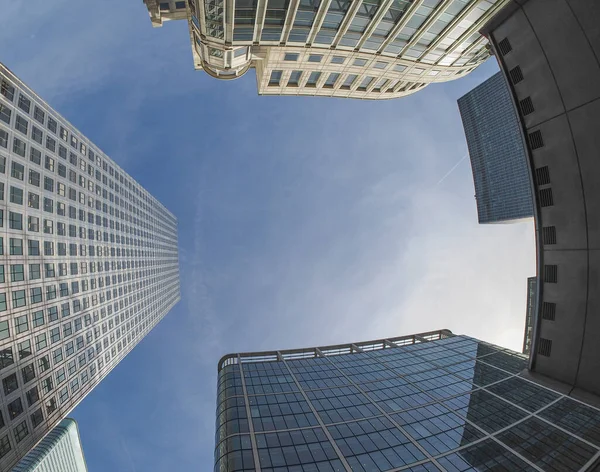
[479,428]
[119,278]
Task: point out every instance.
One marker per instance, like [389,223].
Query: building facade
[530,315]
[549,53]
[89,266]
[428,402]
[497,152]
[60,451]
[366,49]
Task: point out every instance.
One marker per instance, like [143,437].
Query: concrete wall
[556,43]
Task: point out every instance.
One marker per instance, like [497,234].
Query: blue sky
[302,221]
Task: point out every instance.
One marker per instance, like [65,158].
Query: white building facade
[366,49]
[60,451]
[88,266]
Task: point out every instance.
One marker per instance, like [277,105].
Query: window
[313,79]
[275,78]
[180,5]
[37,135]
[164,6]
[54,335]
[24,103]
[51,292]
[7,90]
[331,80]
[36,295]
[52,124]
[38,318]
[15,408]
[381,65]
[350,79]
[50,144]
[365,83]
[40,341]
[16,245]
[5,114]
[34,271]
[17,171]
[16,195]
[51,405]
[37,417]
[290,56]
[6,358]
[359,62]
[2,279]
[10,384]
[3,138]
[4,446]
[48,248]
[21,324]
[4,330]
[21,431]
[315,58]
[18,298]
[63,395]
[294,79]
[24,348]
[64,135]
[15,221]
[49,164]
[34,178]
[39,115]
[21,124]
[28,373]
[57,356]
[52,313]
[35,155]
[399,68]
[49,184]
[43,364]
[16,273]
[338,59]
[33,224]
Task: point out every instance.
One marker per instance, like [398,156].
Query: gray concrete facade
[549,51]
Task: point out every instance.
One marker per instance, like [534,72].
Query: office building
[368,49]
[59,451]
[425,402]
[548,51]
[530,315]
[89,267]
[497,152]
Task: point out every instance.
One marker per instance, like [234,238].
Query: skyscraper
[59,451]
[497,152]
[548,51]
[369,49]
[426,402]
[90,266]
[530,315]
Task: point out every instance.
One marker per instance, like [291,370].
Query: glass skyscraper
[428,402]
[365,49]
[59,451]
[89,266]
[497,152]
